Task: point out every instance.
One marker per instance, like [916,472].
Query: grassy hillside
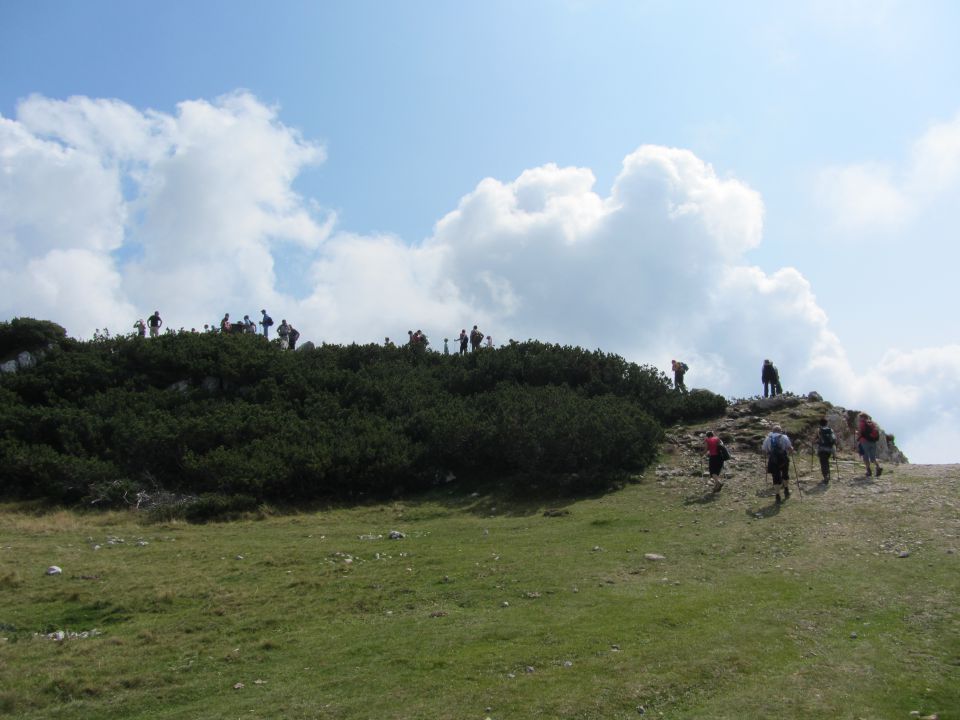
[841,603]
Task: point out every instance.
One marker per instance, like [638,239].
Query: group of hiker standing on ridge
[285,331]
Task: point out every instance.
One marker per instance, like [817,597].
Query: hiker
[387,342]
[266,322]
[225,323]
[421,339]
[141,328]
[770,377]
[679,369]
[292,337]
[249,326]
[489,342]
[154,322]
[778,447]
[715,459]
[464,339]
[826,445]
[476,337]
[867,436]
[283,330]
[446,349]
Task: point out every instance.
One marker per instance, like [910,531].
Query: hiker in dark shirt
[770,377]
[154,322]
[464,339]
[826,442]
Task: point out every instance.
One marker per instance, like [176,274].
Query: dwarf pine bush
[233,415]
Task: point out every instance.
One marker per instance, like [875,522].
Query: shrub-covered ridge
[235,415]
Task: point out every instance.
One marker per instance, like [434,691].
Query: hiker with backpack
[868,433]
[679,370]
[778,447]
[266,322]
[476,337]
[826,445]
[717,454]
[464,339]
[770,377]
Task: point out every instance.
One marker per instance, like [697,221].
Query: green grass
[746,618]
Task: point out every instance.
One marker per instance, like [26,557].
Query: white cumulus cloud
[868,197]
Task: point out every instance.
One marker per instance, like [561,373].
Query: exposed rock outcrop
[748,421]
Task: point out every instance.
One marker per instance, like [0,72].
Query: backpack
[871,431]
[827,437]
[267,321]
[684,367]
[777,451]
[724,453]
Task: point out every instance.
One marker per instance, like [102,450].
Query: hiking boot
[717,486]
[786,493]
[778,500]
[869,473]
[826,479]
[879,471]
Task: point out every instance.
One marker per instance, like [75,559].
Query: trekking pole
[836,463]
[796,474]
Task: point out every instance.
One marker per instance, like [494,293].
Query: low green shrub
[26,334]
[233,415]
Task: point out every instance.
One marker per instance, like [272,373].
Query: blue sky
[823,137]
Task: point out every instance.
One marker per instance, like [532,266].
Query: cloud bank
[108,213]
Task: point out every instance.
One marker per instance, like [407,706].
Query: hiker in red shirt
[867,435]
[715,460]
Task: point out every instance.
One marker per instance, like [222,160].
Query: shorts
[716,464]
[779,471]
[869,450]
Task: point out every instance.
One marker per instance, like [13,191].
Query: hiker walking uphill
[679,370]
[867,436]
[717,454]
[770,377]
[826,445]
[778,447]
